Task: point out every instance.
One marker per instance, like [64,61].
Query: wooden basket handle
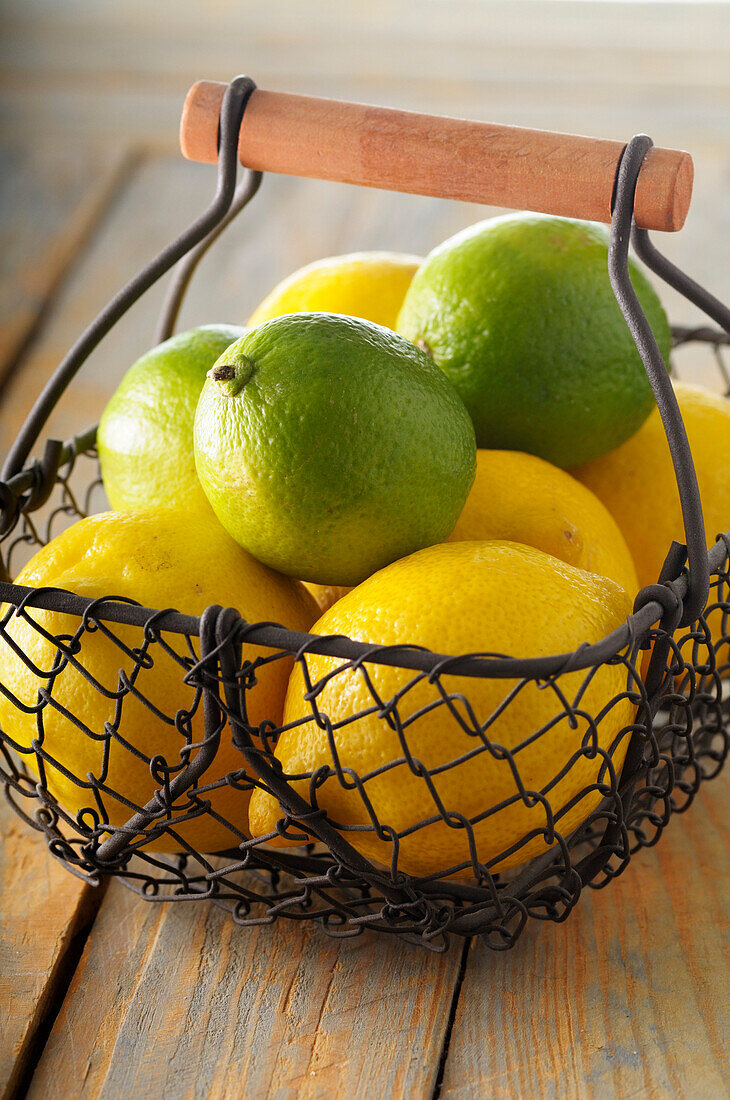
[452,158]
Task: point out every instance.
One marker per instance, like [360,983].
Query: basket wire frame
[641,771]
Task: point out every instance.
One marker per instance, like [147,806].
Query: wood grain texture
[452,158]
[179,1001]
[42,908]
[50,204]
[628,998]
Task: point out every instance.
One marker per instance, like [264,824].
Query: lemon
[145,435]
[521,498]
[326,594]
[519,313]
[489,597]
[370,285]
[637,483]
[329,446]
[160,559]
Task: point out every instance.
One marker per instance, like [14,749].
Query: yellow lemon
[522,498]
[488,597]
[160,559]
[637,483]
[326,594]
[371,285]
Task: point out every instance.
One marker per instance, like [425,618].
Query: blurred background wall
[90,99]
[98,69]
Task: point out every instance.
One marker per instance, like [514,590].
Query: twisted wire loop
[134,740]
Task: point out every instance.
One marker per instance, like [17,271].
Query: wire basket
[638,757]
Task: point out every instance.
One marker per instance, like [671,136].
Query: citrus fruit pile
[461,453]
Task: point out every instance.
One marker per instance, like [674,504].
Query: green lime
[329,446]
[519,314]
[145,435]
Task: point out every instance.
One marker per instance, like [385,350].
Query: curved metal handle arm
[237,95]
[661,383]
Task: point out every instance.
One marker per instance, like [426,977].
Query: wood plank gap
[19,332]
[452,1017]
[178,1000]
[628,997]
[43,909]
[59,982]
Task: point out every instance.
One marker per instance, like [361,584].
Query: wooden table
[106,995]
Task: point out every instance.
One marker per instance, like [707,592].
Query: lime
[329,446]
[145,435]
[519,313]
[371,285]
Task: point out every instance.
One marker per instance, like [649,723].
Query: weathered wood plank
[628,998]
[51,203]
[179,1001]
[51,200]
[42,909]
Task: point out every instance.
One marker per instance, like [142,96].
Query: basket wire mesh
[638,758]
